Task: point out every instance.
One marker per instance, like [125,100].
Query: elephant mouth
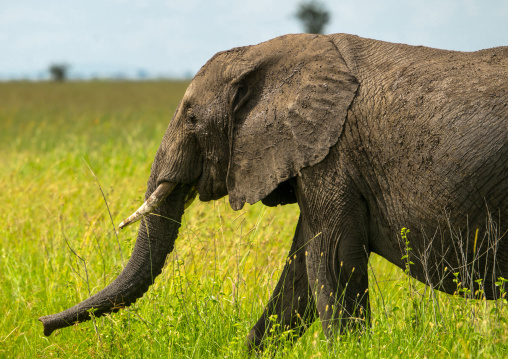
[161,192]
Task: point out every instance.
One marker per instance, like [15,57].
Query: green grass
[216,282]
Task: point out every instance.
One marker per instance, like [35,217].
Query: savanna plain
[74,161]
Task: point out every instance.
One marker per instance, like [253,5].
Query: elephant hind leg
[291,308]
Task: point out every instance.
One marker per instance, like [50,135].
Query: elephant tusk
[190,197]
[162,191]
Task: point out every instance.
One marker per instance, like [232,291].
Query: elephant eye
[191,116]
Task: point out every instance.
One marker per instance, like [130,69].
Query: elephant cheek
[180,164]
[212,184]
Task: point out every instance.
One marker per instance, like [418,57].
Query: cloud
[178,36]
[19,15]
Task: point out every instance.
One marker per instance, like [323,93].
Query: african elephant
[367,137]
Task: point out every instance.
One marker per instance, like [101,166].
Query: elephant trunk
[156,238]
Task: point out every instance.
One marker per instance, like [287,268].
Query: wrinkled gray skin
[367,137]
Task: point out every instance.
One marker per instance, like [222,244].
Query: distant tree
[58,72]
[313,15]
[142,74]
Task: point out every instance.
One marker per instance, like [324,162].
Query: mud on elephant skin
[367,137]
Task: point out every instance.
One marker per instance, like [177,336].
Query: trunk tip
[48,328]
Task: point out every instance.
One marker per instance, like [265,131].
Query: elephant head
[251,119]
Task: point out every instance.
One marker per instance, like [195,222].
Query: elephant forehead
[203,88]
[221,67]
[199,92]
[189,92]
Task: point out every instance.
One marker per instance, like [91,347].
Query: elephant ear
[299,92]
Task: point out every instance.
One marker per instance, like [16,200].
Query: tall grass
[58,142]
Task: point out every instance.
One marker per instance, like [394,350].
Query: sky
[171,38]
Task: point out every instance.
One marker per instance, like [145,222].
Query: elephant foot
[254,341]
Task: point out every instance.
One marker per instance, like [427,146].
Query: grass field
[58,244]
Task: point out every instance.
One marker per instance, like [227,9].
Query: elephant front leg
[339,283]
[291,305]
[335,218]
